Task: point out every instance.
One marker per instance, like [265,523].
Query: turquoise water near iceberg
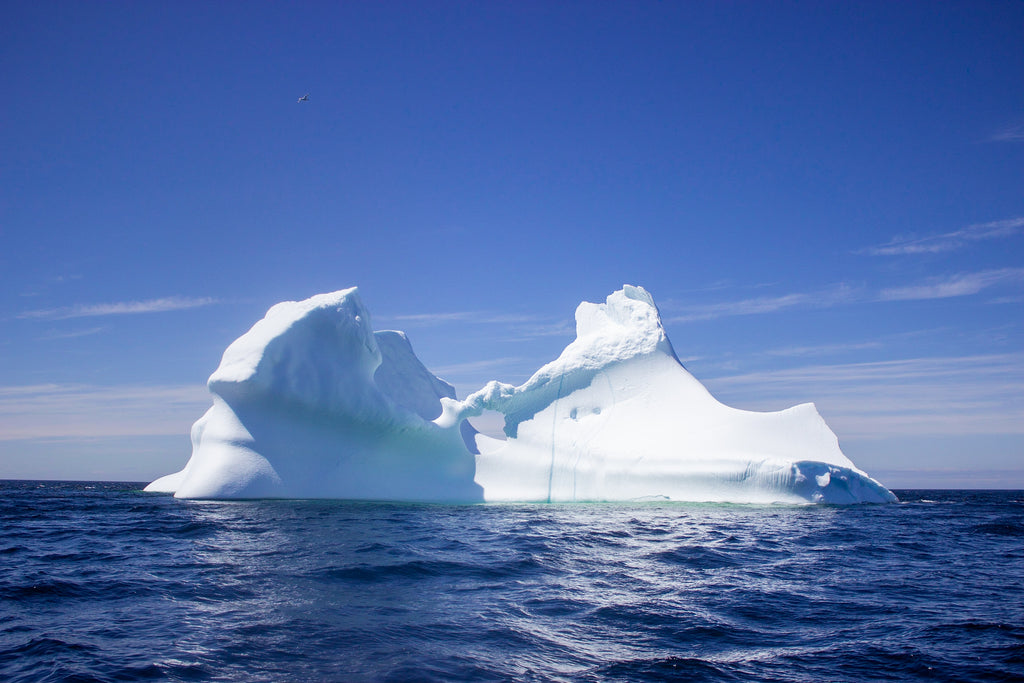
[102,582]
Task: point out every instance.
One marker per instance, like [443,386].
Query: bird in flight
[304,98]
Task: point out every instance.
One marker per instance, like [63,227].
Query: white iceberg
[311,403]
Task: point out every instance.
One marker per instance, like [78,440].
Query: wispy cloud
[981,394]
[560,328]
[1008,300]
[479,317]
[518,326]
[433,318]
[475,368]
[821,299]
[962,284]
[948,241]
[65,410]
[822,350]
[1009,134]
[74,334]
[171,303]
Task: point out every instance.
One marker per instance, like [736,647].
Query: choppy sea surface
[102,582]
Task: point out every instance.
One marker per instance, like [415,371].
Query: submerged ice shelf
[312,403]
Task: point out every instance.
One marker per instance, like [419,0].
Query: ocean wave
[108,583]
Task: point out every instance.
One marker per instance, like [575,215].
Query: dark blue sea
[102,582]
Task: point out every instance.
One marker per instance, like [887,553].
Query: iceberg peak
[627,327]
[627,317]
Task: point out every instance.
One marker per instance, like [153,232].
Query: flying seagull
[304,98]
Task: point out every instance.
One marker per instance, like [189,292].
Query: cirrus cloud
[961,284]
[170,303]
[948,241]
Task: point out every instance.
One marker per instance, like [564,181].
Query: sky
[826,200]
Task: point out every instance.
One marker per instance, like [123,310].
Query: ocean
[100,581]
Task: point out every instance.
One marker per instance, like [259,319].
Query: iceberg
[312,403]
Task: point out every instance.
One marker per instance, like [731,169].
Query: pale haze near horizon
[825,201]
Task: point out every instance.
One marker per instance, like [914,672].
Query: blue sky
[825,199]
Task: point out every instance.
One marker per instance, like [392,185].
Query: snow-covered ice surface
[312,403]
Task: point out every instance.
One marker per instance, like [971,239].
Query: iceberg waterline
[312,403]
